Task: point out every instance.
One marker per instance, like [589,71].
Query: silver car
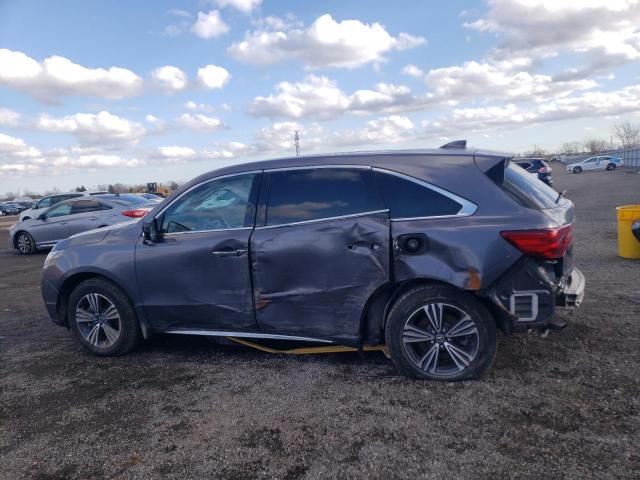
[75,216]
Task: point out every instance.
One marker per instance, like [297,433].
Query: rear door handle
[229,252]
[92,218]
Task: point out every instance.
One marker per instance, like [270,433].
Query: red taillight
[545,170]
[545,243]
[136,213]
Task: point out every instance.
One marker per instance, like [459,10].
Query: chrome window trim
[315,167]
[218,333]
[157,215]
[168,234]
[316,220]
[467,208]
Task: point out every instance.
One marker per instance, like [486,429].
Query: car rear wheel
[103,319]
[611,166]
[25,244]
[577,169]
[436,332]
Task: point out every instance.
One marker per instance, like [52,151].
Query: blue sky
[104,92]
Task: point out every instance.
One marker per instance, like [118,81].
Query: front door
[197,276]
[322,252]
[54,227]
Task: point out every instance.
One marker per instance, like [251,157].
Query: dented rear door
[321,253]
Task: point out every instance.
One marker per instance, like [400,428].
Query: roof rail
[462,144]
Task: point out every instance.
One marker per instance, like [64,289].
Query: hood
[91,236]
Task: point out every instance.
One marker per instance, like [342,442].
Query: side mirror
[42,216]
[151,232]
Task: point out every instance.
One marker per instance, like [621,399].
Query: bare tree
[595,145]
[571,148]
[627,133]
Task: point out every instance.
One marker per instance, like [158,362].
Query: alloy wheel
[98,320]
[24,243]
[440,339]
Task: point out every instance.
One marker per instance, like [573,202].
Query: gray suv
[427,252]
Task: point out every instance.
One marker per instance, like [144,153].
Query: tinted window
[214,205]
[45,202]
[312,194]
[83,206]
[527,190]
[407,199]
[59,210]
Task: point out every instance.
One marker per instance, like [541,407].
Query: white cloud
[58,76]
[169,78]
[503,81]
[321,97]
[175,154]
[12,149]
[193,106]
[245,6]
[9,117]
[412,71]
[209,25]
[93,161]
[201,123]
[391,129]
[605,31]
[101,128]
[325,43]
[212,76]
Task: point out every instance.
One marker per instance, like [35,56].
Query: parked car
[152,197]
[602,162]
[51,200]
[7,209]
[536,167]
[73,216]
[395,248]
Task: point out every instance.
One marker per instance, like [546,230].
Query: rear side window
[408,199]
[527,190]
[84,206]
[313,194]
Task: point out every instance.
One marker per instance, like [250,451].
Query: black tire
[129,334]
[26,218]
[611,166]
[479,346]
[577,169]
[25,245]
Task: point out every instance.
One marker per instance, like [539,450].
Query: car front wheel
[611,166]
[436,332]
[577,169]
[25,244]
[102,318]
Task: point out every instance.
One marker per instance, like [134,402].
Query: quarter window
[408,199]
[214,205]
[317,193]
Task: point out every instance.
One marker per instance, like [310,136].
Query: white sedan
[603,162]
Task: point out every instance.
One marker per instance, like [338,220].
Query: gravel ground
[565,406]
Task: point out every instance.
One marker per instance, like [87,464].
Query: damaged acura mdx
[428,252]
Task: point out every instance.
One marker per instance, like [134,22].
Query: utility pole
[296,141]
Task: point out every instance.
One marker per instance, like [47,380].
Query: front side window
[84,206]
[44,203]
[317,193]
[215,205]
[408,199]
[59,210]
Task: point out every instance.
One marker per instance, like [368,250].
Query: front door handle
[64,223]
[230,252]
[92,218]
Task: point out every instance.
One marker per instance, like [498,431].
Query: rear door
[85,215]
[322,249]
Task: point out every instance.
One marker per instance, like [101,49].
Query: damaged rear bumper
[527,296]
